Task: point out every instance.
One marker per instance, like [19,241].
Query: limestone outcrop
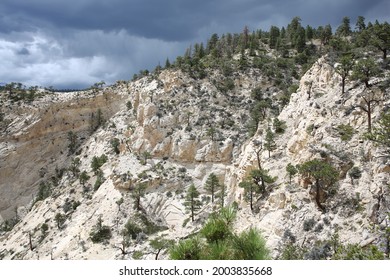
[172,131]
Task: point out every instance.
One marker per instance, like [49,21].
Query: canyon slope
[169,130]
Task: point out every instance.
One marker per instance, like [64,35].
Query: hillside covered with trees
[258,145]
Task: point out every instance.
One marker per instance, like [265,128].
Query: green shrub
[250,245]
[220,243]
[9,224]
[99,180]
[355,173]
[100,233]
[215,230]
[279,126]
[310,129]
[97,162]
[149,227]
[356,252]
[115,145]
[44,228]
[137,255]
[189,249]
[217,251]
[345,132]
[132,229]
[292,252]
[60,220]
[308,224]
[44,191]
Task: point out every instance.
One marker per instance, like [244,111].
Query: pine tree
[291,170]
[83,178]
[309,33]
[74,166]
[60,220]
[221,196]
[279,126]
[167,64]
[261,178]
[343,69]
[137,194]
[360,24]
[364,70]
[345,28]
[250,189]
[323,174]
[212,185]
[381,132]
[269,143]
[72,139]
[274,35]
[380,37]
[325,34]
[300,39]
[192,202]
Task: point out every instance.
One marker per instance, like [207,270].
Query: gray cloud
[76,43]
[81,59]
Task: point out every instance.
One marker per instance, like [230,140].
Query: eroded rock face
[167,144]
[36,143]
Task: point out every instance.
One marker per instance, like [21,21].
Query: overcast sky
[75,43]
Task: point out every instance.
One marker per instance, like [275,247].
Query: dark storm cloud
[79,42]
[174,20]
[169,20]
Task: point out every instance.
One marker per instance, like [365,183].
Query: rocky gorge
[169,130]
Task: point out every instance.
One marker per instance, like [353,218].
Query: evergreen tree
[381,132]
[137,194]
[212,185]
[261,178]
[250,190]
[98,162]
[100,233]
[343,69]
[269,143]
[323,174]
[300,40]
[192,202]
[293,28]
[96,120]
[159,244]
[291,170]
[255,184]
[219,242]
[325,34]
[250,245]
[380,37]
[74,166]
[360,24]
[167,64]
[279,126]
[115,145]
[188,249]
[274,35]
[245,37]
[60,220]
[309,33]
[72,139]
[212,43]
[145,156]
[345,28]
[83,177]
[364,70]
[221,196]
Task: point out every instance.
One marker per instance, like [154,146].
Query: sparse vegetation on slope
[288,125]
